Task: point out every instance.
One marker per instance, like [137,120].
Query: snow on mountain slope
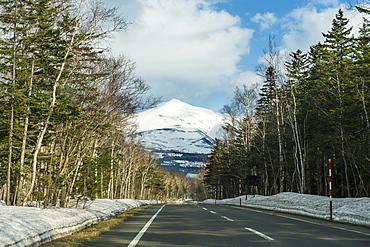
[180,140]
[176,114]
[181,135]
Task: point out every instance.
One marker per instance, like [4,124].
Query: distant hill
[180,134]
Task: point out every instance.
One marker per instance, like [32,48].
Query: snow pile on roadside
[24,226]
[347,210]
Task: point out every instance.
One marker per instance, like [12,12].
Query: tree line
[311,107]
[66,106]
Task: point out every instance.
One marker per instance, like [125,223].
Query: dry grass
[82,237]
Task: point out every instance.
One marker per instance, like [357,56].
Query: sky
[199,51]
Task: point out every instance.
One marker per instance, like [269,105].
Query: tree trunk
[281,158]
[20,199]
[111,180]
[10,161]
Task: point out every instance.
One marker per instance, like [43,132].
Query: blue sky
[198,51]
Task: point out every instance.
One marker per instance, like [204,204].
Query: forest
[312,107]
[66,105]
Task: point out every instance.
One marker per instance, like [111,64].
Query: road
[218,225]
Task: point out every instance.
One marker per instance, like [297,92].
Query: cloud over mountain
[184,44]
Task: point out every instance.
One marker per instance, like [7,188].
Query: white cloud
[184,48]
[265,20]
[306,27]
[248,78]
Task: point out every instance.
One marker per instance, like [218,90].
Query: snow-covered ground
[26,226]
[346,210]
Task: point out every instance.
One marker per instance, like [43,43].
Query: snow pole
[330,189]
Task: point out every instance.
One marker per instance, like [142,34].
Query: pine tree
[337,54]
[17,77]
[360,106]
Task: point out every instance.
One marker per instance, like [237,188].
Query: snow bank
[346,210]
[24,226]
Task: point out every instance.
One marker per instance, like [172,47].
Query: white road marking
[143,230]
[251,209]
[319,224]
[205,209]
[350,230]
[212,212]
[302,220]
[227,218]
[260,234]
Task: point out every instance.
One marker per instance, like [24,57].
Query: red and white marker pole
[330,189]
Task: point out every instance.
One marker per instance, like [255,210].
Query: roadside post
[240,192]
[330,189]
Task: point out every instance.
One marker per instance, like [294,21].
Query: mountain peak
[175,101]
[179,115]
[172,107]
[180,134]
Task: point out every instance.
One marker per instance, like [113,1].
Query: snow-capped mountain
[180,134]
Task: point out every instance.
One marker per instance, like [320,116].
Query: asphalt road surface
[217,225]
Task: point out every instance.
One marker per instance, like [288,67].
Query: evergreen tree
[338,49]
[360,142]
